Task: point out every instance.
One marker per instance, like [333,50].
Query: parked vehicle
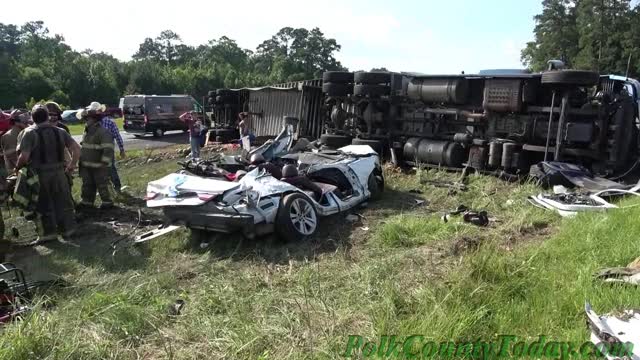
[69,116]
[154,114]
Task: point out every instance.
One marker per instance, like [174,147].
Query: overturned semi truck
[494,121]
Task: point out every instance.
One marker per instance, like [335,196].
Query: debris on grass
[352,218]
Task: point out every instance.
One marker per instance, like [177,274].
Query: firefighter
[42,176]
[95,158]
[9,141]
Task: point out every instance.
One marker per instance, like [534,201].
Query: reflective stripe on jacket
[97,147]
[27,190]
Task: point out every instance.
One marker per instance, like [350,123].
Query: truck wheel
[372,78]
[227,134]
[570,77]
[376,145]
[224,92]
[157,133]
[335,141]
[211,93]
[337,77]
[297,218]
[371,90]
[333,89]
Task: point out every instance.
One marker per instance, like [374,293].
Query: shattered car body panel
[280,145]
[617,337]
[251,205]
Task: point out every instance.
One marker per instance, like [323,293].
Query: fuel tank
[452,90]
[436,152]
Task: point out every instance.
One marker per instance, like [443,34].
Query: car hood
[171,190]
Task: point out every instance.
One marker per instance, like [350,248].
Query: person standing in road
[96,157]
[41,151]
[9,142]
[55,116]
[195,129]
[108,123]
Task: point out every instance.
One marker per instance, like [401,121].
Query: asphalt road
[148,141]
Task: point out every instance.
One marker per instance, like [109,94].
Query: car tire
[335,141]
[371,90]
[333,89]
[570,77]
[372,78]
[376,145]
[376,186]
[297,218]
[337,77]
[158,133]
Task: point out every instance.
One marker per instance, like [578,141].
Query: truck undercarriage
[495,121]
[499,120]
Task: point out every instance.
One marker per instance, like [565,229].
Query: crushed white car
[260,204]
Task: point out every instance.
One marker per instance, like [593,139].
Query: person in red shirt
[195,128]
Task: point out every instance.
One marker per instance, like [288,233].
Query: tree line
[35,65]
[598,35]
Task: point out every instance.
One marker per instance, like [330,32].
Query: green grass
[78,129]
[399,270]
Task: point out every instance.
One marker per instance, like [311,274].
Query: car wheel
[372,78]
[338,77]
[570,77]
[297,218]
[335,141]
[375,185]
[158,132]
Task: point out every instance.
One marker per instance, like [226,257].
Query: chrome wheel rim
[303,217]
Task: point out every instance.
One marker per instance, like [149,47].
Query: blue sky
[423,36]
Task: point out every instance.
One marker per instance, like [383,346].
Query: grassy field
[399,270]
[78,129]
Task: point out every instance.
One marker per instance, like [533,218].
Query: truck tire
[570,77]
[337,77]
[371,90]
[224,92]
[333,89]
[211,93]
[376,145]
[335,141]
[227,134]
[158,133]
[372,78]
[297,218]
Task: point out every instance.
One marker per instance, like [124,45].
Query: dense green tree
[35,64]
[555,33]
[598,35]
